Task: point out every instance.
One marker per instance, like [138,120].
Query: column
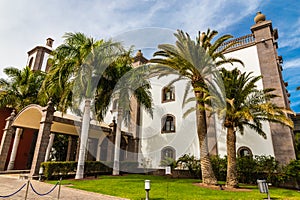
[88,155]
[110,147]
[42,139]
[111,141]
[136,152]
[6,140]
[69,148]
[73,148]
[98,149]
[14,149]
[49,147]
[77,149]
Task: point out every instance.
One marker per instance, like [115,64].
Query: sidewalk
[11,183]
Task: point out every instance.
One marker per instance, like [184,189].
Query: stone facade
[6,140]
[265,39]
[43,139]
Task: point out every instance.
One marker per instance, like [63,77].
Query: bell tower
[39,55]
[270,66]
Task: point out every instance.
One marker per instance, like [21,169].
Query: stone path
[11,183]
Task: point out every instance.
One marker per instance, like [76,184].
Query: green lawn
[132,187]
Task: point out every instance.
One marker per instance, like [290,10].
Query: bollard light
[168,170]
[41,171]
[147,188]
[147,185]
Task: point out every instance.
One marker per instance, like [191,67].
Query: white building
[168,134]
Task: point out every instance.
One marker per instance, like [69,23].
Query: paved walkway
[11,183]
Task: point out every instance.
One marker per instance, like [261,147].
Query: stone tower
[135,124]
[39,55]
[270,66]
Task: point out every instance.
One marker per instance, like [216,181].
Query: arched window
[168,152]
[168,94]
[168,124]
[244,152]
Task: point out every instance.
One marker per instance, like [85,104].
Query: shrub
[269,167]
[94,167]
[55,169]
[249,169]
[219,166]
[128,166]
[168,162]
[191,163]
[292,171]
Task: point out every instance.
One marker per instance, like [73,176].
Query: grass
[132,187]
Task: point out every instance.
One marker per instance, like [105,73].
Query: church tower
[270,66]
[39,55]
[135,115]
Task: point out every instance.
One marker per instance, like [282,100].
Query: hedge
[249,169]
[52,170]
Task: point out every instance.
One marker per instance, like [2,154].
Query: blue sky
[27,23]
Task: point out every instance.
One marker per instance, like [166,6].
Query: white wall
[45,60]
[251,139]
[33,60]
[184,140]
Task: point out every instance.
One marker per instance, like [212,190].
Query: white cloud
[291,33]
[25,24]
[292,63]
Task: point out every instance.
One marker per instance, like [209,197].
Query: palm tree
[196,62]
[127,83]
[21,88]
[77,66]
[217,49]
[249,107]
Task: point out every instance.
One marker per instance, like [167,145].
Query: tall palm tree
[196,62]
[21,88]
[77,66]
[249,107]
[131,83]
[218,48]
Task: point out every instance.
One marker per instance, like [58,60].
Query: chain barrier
[40,194]
[33,189]
[6,196]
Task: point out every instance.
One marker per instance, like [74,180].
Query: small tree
[247,106]
[21,88]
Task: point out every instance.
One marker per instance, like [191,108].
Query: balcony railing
[238,42]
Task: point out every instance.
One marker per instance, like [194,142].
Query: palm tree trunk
[116,167]
[231,179]
[83,139]
[208,176]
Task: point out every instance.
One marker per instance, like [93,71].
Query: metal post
[147,194]
[27,187]
[59,187]
[168,174]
